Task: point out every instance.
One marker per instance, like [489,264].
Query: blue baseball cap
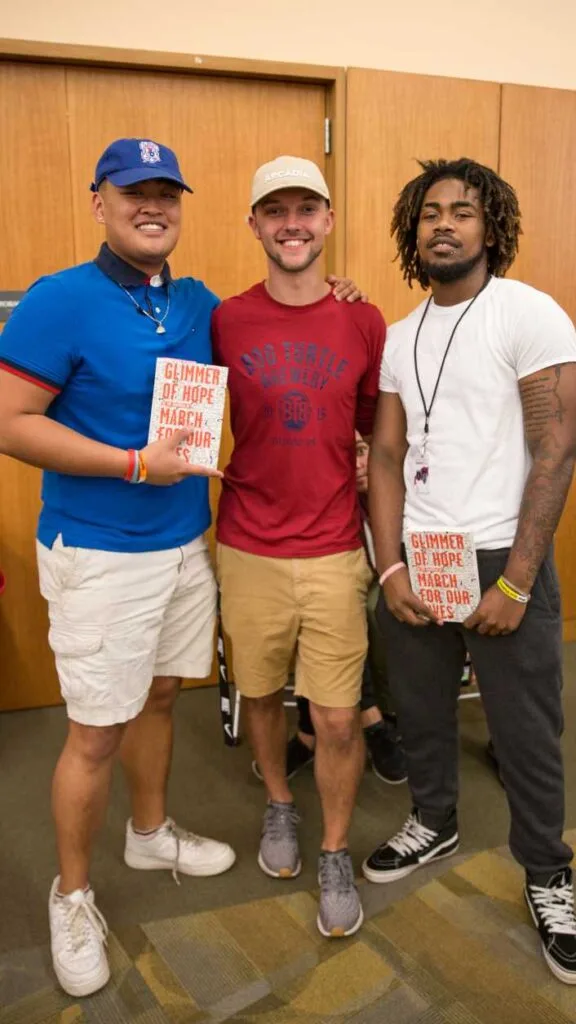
[127,161]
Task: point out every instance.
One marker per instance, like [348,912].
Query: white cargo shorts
[119,619]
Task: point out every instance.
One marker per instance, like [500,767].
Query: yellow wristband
[509,591]
[516,589]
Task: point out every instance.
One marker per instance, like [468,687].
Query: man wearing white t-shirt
[476,433]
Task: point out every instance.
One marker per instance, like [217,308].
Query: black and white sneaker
[552,909]
[412,847]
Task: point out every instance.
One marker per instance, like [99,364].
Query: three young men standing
[478,387]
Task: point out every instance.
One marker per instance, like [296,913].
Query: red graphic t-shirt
[300,379]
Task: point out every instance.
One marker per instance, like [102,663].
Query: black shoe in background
[297,756]
[386,752]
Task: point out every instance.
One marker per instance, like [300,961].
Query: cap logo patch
[292,172]
[149,152]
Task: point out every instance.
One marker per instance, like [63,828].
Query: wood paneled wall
[394,120]
[37,238]
[538,157]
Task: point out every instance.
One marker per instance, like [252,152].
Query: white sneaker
[174,848]
[78,932]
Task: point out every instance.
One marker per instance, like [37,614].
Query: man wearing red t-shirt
[303,373]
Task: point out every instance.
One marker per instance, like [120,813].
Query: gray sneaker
[340,911]
[279,855]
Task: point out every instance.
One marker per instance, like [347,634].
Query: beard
[447,273]
[289,268]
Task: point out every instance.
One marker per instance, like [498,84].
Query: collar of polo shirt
[124,273]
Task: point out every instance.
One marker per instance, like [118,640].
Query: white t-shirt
[476,451]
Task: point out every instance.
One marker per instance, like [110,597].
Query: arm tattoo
[542,403]
[549,408]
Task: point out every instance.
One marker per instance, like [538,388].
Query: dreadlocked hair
[501,214]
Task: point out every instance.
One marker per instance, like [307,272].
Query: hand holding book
[189,395]
[496,614]
[166,467]
[443,571]
[404,604]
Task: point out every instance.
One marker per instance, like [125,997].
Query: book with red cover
[189,395]
[443,571]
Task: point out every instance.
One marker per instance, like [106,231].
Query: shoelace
[79,918]
[280,820]
[181,836]
[336,873]
[412,838]
[556,907]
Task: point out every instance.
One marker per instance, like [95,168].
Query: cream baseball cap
[288,172]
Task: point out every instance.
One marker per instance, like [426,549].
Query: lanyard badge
[421,469]
[420,458]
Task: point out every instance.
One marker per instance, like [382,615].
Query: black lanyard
[428,408]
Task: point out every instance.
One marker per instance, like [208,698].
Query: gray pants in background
[520,680]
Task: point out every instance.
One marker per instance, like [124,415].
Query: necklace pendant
[160,329]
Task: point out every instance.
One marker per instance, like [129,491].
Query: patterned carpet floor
[458,948]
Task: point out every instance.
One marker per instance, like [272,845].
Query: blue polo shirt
[79,335]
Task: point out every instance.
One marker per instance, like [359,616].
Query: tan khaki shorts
[119,619]
[313,608]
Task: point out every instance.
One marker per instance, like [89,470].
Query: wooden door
[56,121]
[538,157]
[37,238]
[393,119]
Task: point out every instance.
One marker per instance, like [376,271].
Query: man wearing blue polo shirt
[122,559]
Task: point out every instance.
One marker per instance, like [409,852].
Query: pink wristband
[393,568]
